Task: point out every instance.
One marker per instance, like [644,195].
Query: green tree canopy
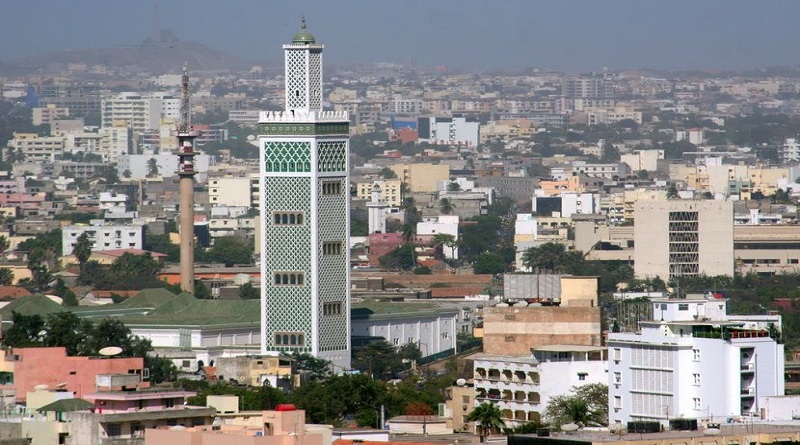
[584,405]
[488,418]
[488,263]
[230,250]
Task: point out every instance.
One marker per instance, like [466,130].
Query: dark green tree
[544,258]
[315,368]
[249,292]
[6,276]
[388,173]
[401,258]
[230,250]
[25,331]
[488,418]
[201,292]
[488,263]
[584,405]
[82,249]
[446,206]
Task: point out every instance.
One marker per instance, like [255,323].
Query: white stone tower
[305,208]
[376,211]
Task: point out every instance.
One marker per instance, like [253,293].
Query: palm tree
[488,417]
[152,168]
[446,206]
[546,257]
[82,249]
[3,243]
[6,276]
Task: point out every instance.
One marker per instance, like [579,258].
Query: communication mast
[186,172]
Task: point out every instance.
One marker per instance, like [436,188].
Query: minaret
[186,172]
[305,207]
[376,209]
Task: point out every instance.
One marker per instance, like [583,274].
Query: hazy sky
[469,34]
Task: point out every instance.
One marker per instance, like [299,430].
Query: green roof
[67,405]
[151,298]
[31,305]
[303,37]
[382,309]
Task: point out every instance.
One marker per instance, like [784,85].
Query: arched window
[299,218]
[293,339]
[277,218]
[292,218]
[300,279]
[292,279]
[285,279]
[285,339]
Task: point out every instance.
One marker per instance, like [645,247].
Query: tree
[25,331]
[201,292]
[108,174]
[610,153]
[672,192]
[68,298]
[162,244]
[488,418]
[488,263]
[546,257]
[132,267]
[447,240]
[230,250]
[453,187]
[6,276]
[446,206]
[82,249]
[316,368]
[401,258]
[152,168]
[388,173]
[248,292]
[3,243]
[584,405]
[40,273]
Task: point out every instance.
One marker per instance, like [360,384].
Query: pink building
[25,368]
[280,427]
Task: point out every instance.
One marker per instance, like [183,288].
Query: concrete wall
[515,330]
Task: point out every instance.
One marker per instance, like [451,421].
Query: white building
[695,136]
[693,361]
[432,331]
[37,148]
[232,191]
[449,131]
[305,208]
[140,112]
[523,386]
[579,203]
[642,159]
[376,210]
[442,224]
[103,236]
[790,152]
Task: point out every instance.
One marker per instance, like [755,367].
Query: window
[696,355]
[332,248]
[288,278]
[617,377]
[617,354]
[582,376]
[617,402]
[696,378]
[332,188]
[114,430]
[510,339]
[334,308]
[287,218]
[683,307]
[696,402]
[289,339]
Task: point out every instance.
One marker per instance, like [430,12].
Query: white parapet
[300,116]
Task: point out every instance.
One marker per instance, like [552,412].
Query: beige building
[766,249]
[49,113]
[239,191]
[683,237]
[391,191]
[421,177]
[643,159]
[515,330]
[37,148]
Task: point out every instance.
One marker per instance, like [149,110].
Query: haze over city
[473,35]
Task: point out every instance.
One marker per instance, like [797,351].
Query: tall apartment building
[37,148]
[678,237]
[305,206]
[695,362]
[141,112]
[586,87]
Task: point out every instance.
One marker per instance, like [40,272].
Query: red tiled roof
[13,292]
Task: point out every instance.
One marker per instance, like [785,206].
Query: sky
[471,35]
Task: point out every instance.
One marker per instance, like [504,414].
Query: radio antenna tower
[186,172]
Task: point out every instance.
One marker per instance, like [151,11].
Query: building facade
[694,362]
[305,207]
[683,238]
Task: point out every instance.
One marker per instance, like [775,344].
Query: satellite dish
[177,428]
[61,385]
[461,382]
[109,351]
[41,387]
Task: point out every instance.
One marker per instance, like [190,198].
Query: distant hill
[167,54]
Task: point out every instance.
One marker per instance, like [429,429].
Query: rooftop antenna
[186,117]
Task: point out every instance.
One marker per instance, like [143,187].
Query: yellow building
[391,191]
[421,177]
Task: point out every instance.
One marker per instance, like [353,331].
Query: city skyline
[473,35]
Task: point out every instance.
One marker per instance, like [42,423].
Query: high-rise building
[305,280]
